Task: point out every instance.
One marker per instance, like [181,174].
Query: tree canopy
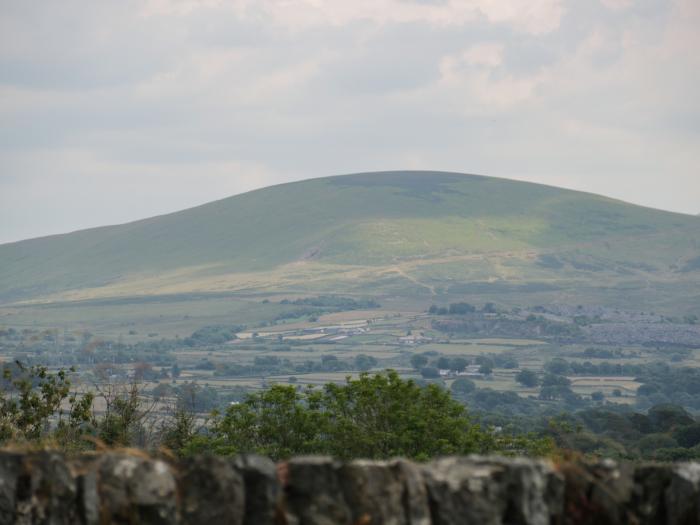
[374,416]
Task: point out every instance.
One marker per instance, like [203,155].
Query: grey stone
[597,493]
[46,491]
[211,492]
[683,495]
[493,491]
[10,472]
[461,491]
[608,492]
[376,492]
[313,494]
[648,504]
[96,489]
[262,489]
[136,490]
[89,497]
[415,494]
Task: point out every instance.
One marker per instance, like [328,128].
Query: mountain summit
[430,231]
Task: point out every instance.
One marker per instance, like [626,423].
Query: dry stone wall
[129,488]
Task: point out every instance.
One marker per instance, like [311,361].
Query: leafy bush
[375,416]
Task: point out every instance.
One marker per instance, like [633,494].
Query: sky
[112,111]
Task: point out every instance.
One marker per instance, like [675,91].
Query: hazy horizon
[118,111]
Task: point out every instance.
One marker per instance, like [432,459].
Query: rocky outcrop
[130,488]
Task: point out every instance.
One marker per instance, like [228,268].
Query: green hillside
[431,230]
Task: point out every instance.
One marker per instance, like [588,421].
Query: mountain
[402,233]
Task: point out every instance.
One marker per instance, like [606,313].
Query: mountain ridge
[371,221]
[282,184]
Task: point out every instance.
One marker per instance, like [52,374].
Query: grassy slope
[374,221]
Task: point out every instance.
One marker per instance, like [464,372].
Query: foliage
[179,431]
[430,372]
[418,361]
[462,385]
[196,398]
[213,335]
[365,362]
[375,416]
[32,405]
[665,433]
[334,302]
[124,418]
[527,378]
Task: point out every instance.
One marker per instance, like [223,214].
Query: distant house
[413,339]
[471,371]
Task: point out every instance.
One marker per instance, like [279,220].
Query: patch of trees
[313,307]
[379,416]
[429,365]
[213,335]
[93,351]
[334,302]
[462,386]
[31,396]
[500,408]
[666,432]
[192,397]
[462,309]
[96,351]
[375,416]
[662,383]
[527,378]
[532,327]
[603,353]
[273,365]
[452,309]
[563,367]
[440,362]
[37,406]
[305,311]
[554,387]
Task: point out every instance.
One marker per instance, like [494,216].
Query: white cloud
[617,4]
[486,54]
[535,16]
[116,110]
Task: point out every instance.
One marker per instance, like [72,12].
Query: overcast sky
[116,110]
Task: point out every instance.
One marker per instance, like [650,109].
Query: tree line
[374,416]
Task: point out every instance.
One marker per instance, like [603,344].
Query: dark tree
[527,378]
